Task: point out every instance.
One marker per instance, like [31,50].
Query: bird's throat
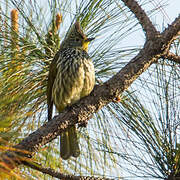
[85,45]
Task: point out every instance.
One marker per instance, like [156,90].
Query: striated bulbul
[71,77]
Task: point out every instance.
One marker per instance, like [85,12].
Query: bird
[71,77]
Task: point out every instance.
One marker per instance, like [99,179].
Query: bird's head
[76,38]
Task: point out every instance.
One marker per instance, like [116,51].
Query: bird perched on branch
[71,77]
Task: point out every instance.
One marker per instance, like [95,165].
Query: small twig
[172,57]
[58,175]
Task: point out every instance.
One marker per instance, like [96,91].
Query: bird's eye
[77,40]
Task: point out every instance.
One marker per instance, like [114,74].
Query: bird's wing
[51,78]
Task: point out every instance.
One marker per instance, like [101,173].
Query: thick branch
[172,31]
[101,96]
[144,20]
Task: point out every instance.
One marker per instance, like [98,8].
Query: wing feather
[51,78]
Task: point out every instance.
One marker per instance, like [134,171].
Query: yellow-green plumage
[71,77]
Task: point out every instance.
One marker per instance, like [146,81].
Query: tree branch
[144,20]
[172,57]
[172,31]
[58,175]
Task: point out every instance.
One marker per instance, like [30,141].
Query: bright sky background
[167,14]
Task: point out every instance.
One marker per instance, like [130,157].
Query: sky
[165,16]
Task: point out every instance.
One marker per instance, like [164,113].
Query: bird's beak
[90,39]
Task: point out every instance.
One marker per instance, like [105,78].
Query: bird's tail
[69,145]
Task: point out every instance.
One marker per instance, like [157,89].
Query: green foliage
[151,123]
